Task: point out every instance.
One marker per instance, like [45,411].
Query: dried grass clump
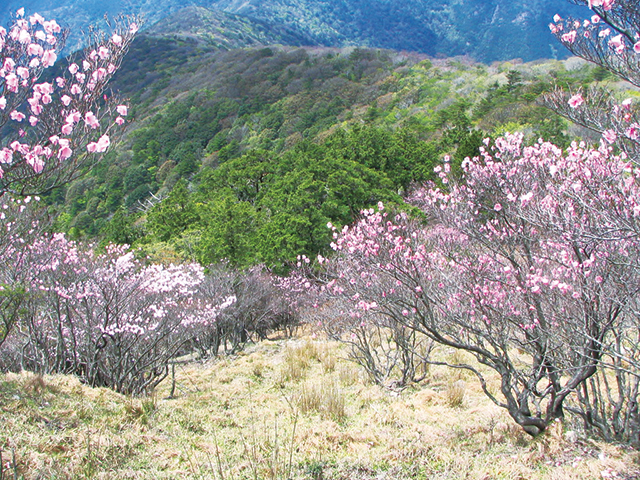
[455,393]
[348,375]
[297,360]
[326,399]
[327,357]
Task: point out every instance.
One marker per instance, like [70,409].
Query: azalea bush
[262,304]
[529,264]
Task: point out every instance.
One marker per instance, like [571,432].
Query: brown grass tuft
[455,393]
[326,399]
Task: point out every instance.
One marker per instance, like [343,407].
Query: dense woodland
[254,150]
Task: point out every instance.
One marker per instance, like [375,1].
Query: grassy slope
[238,418]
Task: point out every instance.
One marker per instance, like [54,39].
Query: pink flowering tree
[524,265]
[608,37]
[392,355]
[109,318]
[53,127]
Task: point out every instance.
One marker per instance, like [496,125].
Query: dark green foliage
[268,208]
[173,215]
[121,229]
[228,231]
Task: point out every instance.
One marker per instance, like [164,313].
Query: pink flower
[101,146]
[73,117]
[36,163]
[9,64]
[633,131]
[576,100]
[497,207]
[122,110]
[120,121]
[569,37]
[64,152]
[36,18]
[116,39]
[609,135]
[17,116]
[91,120]
[3,103]
[49,57]
[636,47]
[24,37]
[73,68]
[6,155]
[617,44]
[66,100]
[12,82]
[22,72]
[35,49]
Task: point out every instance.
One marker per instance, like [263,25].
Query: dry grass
[326,399]
[282,410]
[455,393]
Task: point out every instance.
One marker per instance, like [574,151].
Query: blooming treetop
[57,125]
[610,38]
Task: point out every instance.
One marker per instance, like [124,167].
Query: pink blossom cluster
[53,120]
[90,311]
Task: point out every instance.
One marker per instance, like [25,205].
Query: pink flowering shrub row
[109,318]
[530,265]
[116,320]
[264,303]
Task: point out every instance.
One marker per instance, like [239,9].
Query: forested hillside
[256,149]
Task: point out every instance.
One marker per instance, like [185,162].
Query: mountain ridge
[485,30]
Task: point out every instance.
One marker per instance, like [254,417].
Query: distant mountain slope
[487,30]
[224,30]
